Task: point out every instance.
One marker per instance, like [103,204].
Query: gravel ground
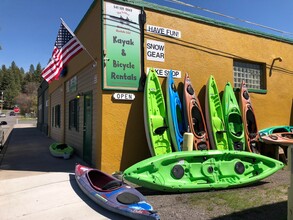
[266,200]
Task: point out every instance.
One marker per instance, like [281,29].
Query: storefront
[98,107]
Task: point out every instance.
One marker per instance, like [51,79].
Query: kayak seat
[102,182]
[61,146]
[127,198]
[158,124]
[218,125]
[112,185]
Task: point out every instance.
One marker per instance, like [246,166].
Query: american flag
[66,47]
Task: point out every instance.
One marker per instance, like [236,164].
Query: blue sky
[28,28]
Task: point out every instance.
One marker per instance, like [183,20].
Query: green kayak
[275,129]
[61,150]
[155,116]
[233,119]
[189,171]
[215,117]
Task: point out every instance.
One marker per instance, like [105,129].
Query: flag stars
[63,37]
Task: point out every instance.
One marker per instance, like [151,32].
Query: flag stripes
[66,47]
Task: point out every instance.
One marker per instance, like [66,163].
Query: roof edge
[205,20]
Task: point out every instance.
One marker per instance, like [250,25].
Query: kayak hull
[189,171]
[155,116]
[174,113]
[61,150]
[233,119]
[112,194]
[249,121]
[215,117]
[194,117]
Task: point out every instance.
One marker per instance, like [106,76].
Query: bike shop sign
[165,72]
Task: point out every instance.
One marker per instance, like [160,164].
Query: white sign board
[124,96]
[155,50]
[165,72]
[163,31]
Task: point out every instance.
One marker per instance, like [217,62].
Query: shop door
[87,128]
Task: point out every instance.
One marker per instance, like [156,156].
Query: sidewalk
[35,185]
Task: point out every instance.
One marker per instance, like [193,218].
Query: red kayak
[249,121]
[113,194]
[283,138]
[194,118]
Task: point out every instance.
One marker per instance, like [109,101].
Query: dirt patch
[265,200]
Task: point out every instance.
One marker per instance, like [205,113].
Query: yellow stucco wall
[124,141]
[203,49]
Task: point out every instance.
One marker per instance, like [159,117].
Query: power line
[228,16]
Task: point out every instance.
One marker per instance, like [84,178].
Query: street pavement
[35,185]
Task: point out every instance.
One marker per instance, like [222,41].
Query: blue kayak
[174,113]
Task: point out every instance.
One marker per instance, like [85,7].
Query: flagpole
[63,22]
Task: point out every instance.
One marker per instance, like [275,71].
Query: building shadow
[27,149]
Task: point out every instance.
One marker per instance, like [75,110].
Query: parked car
[2,134]
[2,115]
[12,113]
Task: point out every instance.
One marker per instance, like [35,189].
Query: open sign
[124,96]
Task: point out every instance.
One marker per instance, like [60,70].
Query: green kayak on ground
[189,171]
[61,150]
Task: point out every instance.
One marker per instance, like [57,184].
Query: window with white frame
[251,73]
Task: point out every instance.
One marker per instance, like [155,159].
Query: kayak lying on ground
[275,129]
[188,171]
[61,150]
[113,194]
[155,116]
[282,138]
[194,118]
[233,119]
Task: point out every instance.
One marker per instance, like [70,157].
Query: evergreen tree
[20,88]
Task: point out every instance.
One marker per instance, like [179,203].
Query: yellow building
[98,108]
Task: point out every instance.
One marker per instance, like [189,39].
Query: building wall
[206,49]
[57,133]
[86,82]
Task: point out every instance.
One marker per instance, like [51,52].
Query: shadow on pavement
[27,149]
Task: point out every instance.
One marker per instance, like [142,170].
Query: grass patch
[236,200]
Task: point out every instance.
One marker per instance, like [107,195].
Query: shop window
[53,117]
[73,114]
[57,116]
[252,73]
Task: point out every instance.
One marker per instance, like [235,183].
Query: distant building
[43,114]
